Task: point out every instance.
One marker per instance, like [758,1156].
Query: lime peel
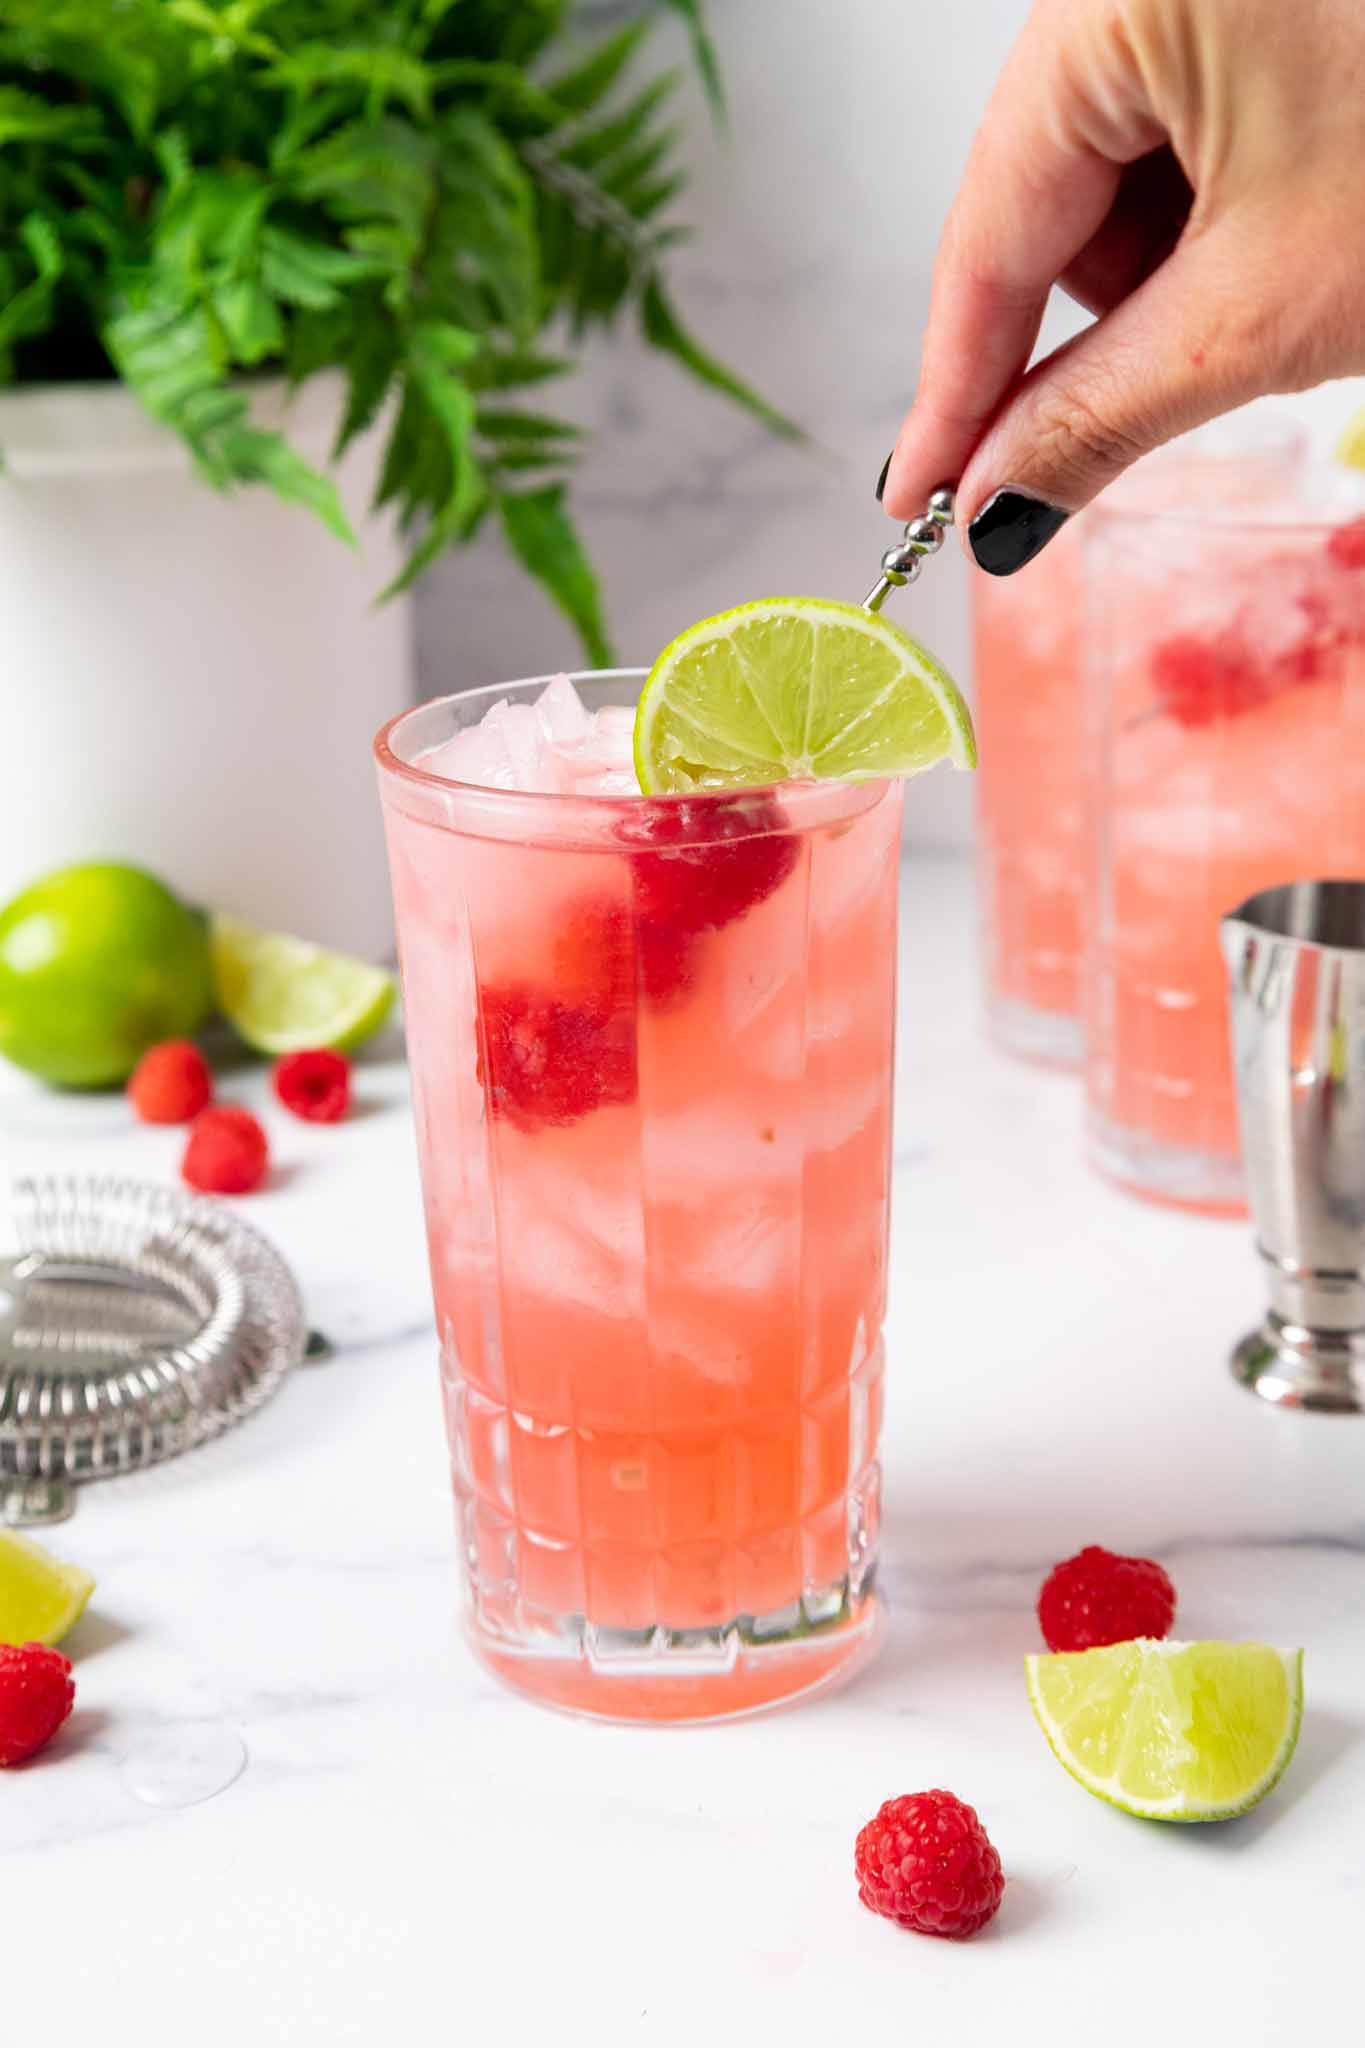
[1169,1730]
[796,689]
[97,963]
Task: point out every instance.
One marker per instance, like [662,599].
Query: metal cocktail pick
[1296,966]
[920,537]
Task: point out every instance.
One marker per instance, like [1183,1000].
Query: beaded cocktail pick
[920,537]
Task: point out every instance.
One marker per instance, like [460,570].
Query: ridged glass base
[755,1663]
[686,1574]
[1208,1183]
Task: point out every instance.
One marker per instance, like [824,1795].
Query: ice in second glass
[651,1046]
[1228,700]
[1031,641]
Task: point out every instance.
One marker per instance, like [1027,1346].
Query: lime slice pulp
[796,689]
[1172,1731]
[40,1598]
[285,995]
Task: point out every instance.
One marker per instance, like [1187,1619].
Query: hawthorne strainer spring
[135,1323]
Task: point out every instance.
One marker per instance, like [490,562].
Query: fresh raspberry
[1096,1598]
[665,962]
[602,954]
[1317,647]
[36,1695]
[314,1085]
[708,859]
[1346,546]
[1198,680]
[926,1862]
[171,1083]
[226,1153]
[543,1061]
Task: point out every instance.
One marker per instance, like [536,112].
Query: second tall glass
[1228,686]
[1030,646]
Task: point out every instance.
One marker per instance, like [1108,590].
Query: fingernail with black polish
[881,480]
[1011,528]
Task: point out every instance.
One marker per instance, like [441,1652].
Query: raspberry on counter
[1097,1598]
[926,1862]
[36,1695]
[226,1153]
[314,1085]
[171,1083]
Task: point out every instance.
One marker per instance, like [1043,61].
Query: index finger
[1039,182]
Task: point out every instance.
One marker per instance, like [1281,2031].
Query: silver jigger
[1296,962]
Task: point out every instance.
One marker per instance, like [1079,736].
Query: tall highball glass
[651,1050]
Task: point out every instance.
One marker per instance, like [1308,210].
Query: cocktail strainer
[135,1323]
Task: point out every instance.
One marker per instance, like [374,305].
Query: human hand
[1193,172]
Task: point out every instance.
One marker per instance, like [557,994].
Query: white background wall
[816,224]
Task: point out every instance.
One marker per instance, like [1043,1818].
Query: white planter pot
[192,681]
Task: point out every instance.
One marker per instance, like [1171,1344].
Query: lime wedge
[1350,448]
[1172,1731]
[285,995]
[796,689]
[40,1597]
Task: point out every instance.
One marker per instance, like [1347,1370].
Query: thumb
[1184,347]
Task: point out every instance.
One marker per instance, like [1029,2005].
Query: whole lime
[97,963]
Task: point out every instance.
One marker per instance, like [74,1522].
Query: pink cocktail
[1229,699]
[651,1052]
[1028,644]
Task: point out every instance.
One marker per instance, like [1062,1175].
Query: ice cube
[594,780]
[478,754]
[564,1235]
[740,1244]
[600,762]
[519,730]
[588,768]
[554,745]
[604,761]
[613,723]
[561,712]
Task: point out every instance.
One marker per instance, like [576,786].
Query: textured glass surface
[1032,635]
[660,1273]
[1027,638]
[1228,691]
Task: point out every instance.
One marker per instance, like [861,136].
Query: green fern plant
[411,192]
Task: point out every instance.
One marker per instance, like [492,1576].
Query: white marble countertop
[410,1851]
